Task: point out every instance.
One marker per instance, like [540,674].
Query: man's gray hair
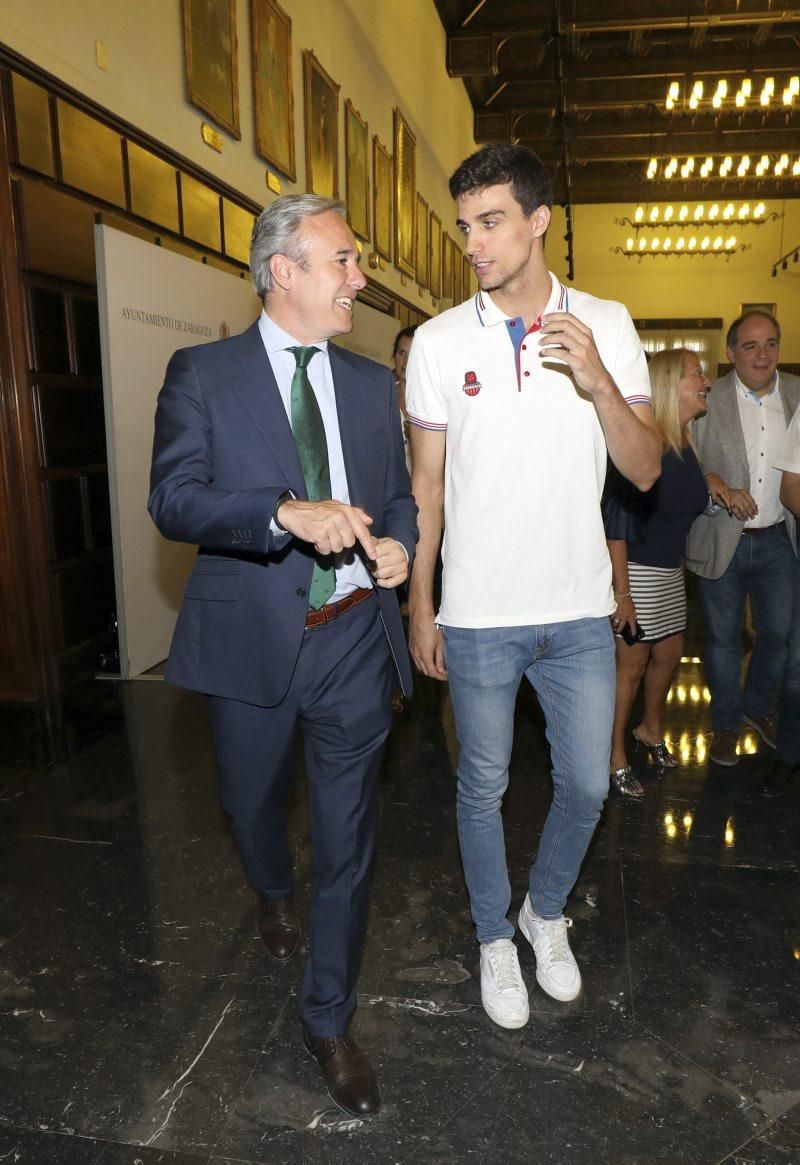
[277,232]
[732,338]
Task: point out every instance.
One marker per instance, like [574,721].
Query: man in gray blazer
[745,548]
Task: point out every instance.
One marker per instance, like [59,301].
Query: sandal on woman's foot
[659,754]
[625,784]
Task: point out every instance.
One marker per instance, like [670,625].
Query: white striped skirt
[659,596]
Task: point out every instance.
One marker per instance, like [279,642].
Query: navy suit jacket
[223,454]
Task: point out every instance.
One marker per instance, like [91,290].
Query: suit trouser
[340,698]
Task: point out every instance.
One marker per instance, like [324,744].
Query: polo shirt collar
[490,314]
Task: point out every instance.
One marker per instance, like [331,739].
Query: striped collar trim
[490,314]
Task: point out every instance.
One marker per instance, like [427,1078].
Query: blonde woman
[646,538]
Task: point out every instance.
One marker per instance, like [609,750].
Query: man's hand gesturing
[329,526]
[391,563]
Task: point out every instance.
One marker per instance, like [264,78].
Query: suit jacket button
[301,592]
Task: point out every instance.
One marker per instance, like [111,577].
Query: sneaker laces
[554,933]
[505,965]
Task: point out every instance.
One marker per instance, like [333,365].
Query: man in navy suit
[281,457]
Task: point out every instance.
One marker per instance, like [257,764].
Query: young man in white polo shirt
[515,398]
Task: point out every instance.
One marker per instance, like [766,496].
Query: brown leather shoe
[279,927]
[766,727]
[723,748]
[349,1076]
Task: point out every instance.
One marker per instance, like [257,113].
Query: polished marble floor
[140,1020]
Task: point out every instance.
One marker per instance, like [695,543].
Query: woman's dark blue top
[655,523]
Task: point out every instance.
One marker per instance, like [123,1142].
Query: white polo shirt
[525,460]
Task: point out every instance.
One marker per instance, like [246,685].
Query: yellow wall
[682,287]
[383,53]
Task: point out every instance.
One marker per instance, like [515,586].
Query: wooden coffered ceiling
[584,83]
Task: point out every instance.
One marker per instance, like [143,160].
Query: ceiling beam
[661,69]
[622,17]
[621,93]
[638,139]
[628,188]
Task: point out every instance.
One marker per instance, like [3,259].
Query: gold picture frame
[447,266]
[457,295]
[356,145]
[435,263]
[767,308]
[321,121]
[405,187]
[273,93]
[457,289]
[466,272]
[421,249]
[210,49]
[382,198]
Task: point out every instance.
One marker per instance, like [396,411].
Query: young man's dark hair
[401,335]
[503,165]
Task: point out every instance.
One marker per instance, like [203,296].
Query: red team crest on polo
[471,385]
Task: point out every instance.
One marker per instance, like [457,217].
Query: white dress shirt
[764,427]
[351,572]
[789,453]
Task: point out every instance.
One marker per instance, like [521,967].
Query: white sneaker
[556,970]
[503,992]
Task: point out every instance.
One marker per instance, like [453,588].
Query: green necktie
[312,448]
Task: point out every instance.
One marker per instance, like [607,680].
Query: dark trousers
[789,716]
[764,568]
[340,698]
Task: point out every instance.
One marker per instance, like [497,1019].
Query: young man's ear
[540,220]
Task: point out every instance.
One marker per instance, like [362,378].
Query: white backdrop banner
[151,302]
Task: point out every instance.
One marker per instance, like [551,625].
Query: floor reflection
[141,1021]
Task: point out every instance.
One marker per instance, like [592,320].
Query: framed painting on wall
[458,284]
[766,308]
[405,188]
[273,96]
[447,266]
[382,198]
[435,263]
[466,271]
[321,119]
[421,246]
[356,143]
[210,53]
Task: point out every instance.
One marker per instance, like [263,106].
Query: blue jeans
[789,723]
[763,567]
[571,667]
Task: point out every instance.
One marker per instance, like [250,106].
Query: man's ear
[729,354]
[282,271]
[540,221]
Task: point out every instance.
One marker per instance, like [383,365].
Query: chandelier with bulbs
[767,166]
[716,96]
[714,214]
[702,229]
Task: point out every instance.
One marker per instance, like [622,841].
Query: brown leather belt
[763,529]
[332,611]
